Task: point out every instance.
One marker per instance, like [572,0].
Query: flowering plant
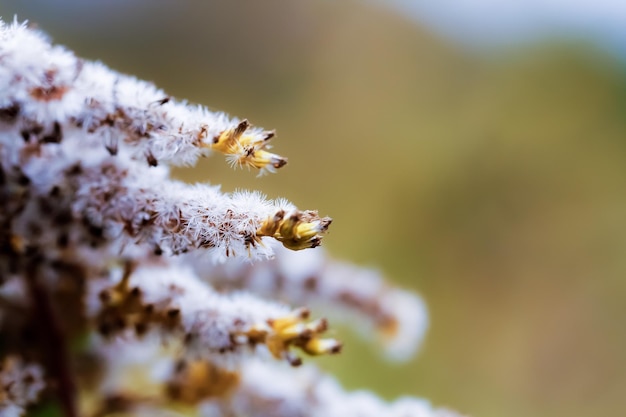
[123,291]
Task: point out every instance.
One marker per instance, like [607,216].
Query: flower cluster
[125,291]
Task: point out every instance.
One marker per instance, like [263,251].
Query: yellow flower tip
[303,230]
[229,142]
[262,159]
[280,334]
[226,142]
[316,347]
[247,149]
[300,230]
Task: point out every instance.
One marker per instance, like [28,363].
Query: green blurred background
[492,181]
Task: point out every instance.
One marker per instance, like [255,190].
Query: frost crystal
[125,291]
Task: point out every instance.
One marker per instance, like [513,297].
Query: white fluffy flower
[92,236]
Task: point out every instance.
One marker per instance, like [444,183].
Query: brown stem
[53,337]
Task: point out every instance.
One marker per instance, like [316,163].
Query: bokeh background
[483,166]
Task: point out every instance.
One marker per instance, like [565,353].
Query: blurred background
[475,151]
